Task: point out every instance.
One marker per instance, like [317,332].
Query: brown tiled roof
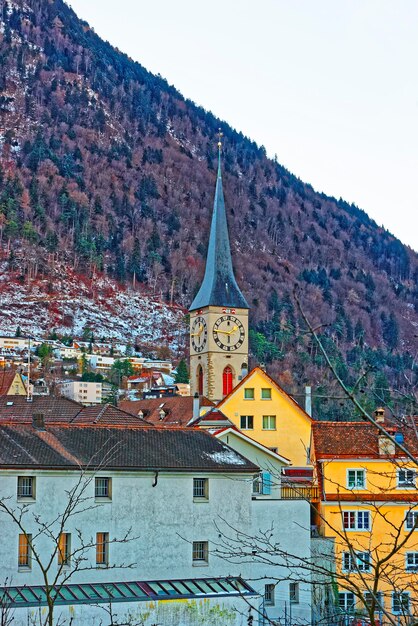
[355,439]
[57,409]
[166,449]
[6,379]
[107,415]
[178,409]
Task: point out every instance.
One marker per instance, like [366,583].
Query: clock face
[199,333]
[229,333]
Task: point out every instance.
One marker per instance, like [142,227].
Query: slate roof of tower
[60,446]
[219,287]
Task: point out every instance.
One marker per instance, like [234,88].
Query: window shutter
[266,478]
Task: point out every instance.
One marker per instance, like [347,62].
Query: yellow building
[368,503]
[262,409]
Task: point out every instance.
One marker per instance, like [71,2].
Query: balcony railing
[299,492]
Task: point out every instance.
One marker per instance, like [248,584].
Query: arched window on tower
[200,380]
[227,381]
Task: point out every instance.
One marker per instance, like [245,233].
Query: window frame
[262,484]
[64,551]
[294,593]
[250,389]
[406,484]
[200,547]
[103,545]
[401,610]
[98,496]
[413,567]
[24,547]
[346,605]
[357,527]
[356,485]
[414,514]
[269,593]
[263,389]
[269,419]
[203,496]
[25,497]
[356,562]
[246,417]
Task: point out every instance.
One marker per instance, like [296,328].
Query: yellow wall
[387,523]
[293,427]
[17,388]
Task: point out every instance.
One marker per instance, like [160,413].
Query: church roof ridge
[219,287]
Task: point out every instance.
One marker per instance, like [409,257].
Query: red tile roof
[356,439]
[178,409]
[56,408]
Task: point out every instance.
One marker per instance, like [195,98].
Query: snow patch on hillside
[67,302]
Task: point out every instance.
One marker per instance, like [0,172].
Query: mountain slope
[107,168]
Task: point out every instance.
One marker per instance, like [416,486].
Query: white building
[84,392]
[180,496]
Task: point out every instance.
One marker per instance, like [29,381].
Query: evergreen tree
[182,375]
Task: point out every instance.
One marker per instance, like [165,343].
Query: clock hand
[224,332]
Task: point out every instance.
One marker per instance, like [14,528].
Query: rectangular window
[406,478]
[25,553]
[269,422]
[102,487]
[294,593]
[269,594]
[400,602]
[247,422]
[249,393]
[346,601]
[201,488]
[358,562]
[411,520]
[356,479]
[64,549]
[200,552]
[262,483]
[412,561]
[356,520]
[102,549]
[266,394]
[26,487]
[378,600]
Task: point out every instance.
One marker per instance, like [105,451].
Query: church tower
[218,314]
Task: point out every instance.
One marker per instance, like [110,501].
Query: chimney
[379,415]
[308,400]
[386,446]
[38,421]
[196,405]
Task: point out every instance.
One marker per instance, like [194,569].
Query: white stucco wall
[164,521]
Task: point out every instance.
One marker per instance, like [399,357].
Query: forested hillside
[106,168]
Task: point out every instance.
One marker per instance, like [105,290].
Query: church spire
[219,287]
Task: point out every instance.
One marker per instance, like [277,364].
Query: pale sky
[329,86]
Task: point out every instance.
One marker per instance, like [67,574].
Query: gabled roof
[178,410]
[238,433]
[6,381]
[272,382]
[61,446]
[213,416]
[219,287]
[333,440]
[107,415]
